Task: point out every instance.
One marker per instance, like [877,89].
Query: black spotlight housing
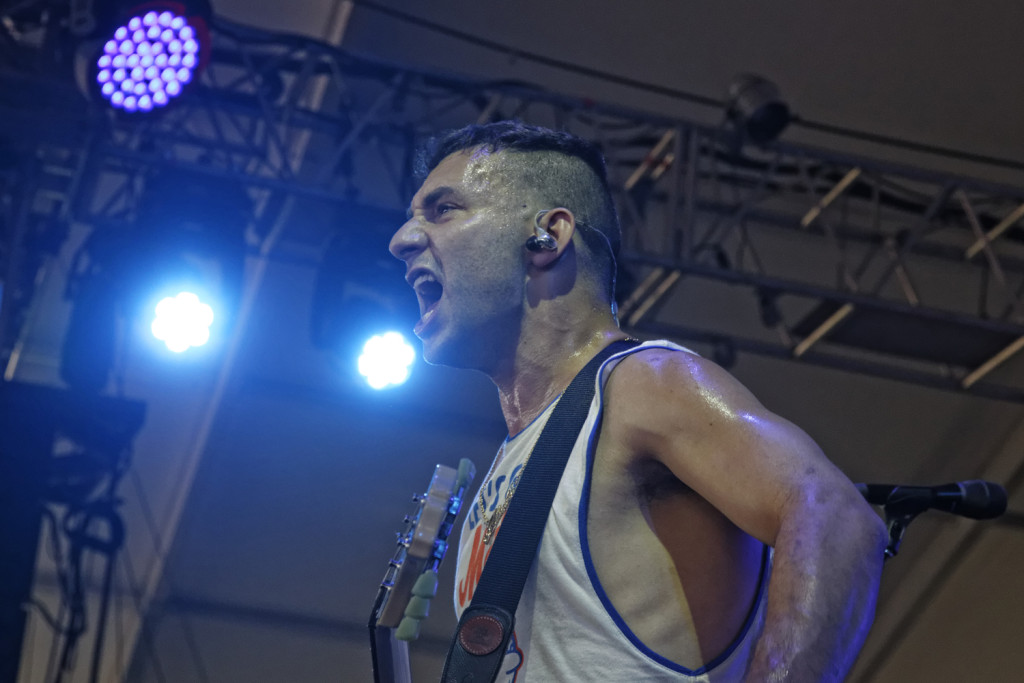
[756,108]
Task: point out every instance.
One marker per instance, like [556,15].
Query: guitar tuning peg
[426,585]
[418,608]
[408,629]
[465,474]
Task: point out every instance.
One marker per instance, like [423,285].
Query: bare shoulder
[666,391]
[690,415]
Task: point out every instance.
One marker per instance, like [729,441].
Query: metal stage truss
[845,262]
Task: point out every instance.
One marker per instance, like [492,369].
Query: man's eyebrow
[432,198]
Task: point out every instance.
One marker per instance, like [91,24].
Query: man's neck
[543,369]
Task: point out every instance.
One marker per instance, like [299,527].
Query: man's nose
[408,240]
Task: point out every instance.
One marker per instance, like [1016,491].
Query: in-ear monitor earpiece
[542,241]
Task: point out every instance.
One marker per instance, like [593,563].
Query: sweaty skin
[687,458]
[751,475]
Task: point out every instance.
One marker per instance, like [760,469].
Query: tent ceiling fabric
[944,73]
[301,480]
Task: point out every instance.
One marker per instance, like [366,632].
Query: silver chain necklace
[491,523]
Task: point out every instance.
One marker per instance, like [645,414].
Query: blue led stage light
[182,321]
[359,299]
[386,360]
[148,60]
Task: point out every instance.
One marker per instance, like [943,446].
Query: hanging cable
[683,95]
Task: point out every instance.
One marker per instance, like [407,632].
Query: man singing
[694,534]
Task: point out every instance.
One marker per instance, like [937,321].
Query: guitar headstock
[411,579]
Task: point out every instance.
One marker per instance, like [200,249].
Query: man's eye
[442,209]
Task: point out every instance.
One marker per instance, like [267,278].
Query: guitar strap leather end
[479,646]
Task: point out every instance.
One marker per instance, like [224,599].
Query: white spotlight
[386,360]
[182,321]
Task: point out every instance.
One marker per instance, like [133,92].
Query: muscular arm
[771,480]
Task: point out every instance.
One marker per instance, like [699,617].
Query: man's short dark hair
[559,168]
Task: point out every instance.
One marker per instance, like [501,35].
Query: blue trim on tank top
[589,563]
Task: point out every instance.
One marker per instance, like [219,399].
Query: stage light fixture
[141,57]
[185,248]
[360,299]
[182,321]
[187,275]
[386,360]
[756,108]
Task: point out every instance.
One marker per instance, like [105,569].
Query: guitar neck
[390,656]
[411,579]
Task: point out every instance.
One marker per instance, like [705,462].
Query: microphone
[975,498]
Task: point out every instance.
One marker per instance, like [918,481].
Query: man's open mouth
[428,291]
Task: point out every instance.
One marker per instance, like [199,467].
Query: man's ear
[560,223]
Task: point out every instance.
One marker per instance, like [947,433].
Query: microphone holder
[897,523]
[900,511]
[902,504]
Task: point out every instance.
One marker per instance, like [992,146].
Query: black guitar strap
[482,636]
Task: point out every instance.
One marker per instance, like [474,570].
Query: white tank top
[566,627]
